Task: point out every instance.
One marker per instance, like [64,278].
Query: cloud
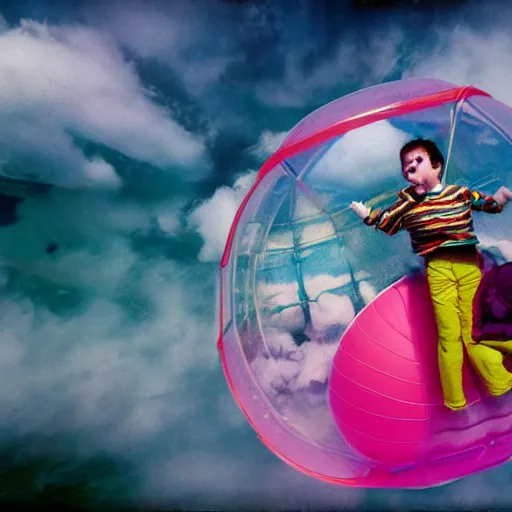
[59,83]
[4,26]
[173,34]
[365,59]
[269,143]
[213,218]
[115,370]
[466,56]
[326,308]
[42,151]
[91,235]
[244,481]
[369,153]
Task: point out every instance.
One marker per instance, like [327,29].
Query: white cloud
[290,378]
[361,155]
[174,35]
[213,218]
[110,379]
[115,371]
[316,364]
[331,309]
[291,366]
[99,172]
[167,215]
[183,31]
[280,343]
[269,143]
[467,57]
[367,291]
[271,297]
[57,81]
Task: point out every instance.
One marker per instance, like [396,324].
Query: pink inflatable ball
[384,389]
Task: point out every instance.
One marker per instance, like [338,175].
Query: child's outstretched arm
[389,220]
[490,204]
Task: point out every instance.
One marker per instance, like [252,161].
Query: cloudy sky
[146,123]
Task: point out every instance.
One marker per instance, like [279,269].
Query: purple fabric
[492,305]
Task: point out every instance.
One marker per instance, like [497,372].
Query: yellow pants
[453,278]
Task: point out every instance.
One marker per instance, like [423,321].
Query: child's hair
[430,147]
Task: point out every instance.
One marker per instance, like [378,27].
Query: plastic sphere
[327,335]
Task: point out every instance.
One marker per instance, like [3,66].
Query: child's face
[418,171]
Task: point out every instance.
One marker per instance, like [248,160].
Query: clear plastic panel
[224,300]
[481,158]
[269,364]
[363,101]
[280,432]
[299,330]
[248,245]
[364,164]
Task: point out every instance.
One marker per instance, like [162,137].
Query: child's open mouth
[420,188]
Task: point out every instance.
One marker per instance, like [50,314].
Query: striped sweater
[438,219]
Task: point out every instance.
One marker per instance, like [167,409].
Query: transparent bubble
[300,267]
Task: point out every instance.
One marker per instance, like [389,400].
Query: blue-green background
[111,390]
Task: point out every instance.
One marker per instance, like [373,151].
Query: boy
[439,222]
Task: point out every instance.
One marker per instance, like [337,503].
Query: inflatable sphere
[327,335]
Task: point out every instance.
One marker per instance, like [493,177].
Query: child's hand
[502,195]
[361,210]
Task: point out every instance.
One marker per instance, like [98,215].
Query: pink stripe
[396,109]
